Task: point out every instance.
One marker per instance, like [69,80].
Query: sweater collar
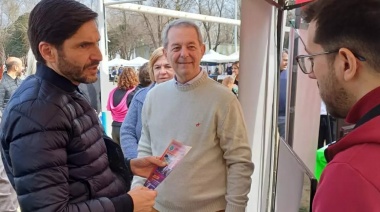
[53,77]
[201,77]
[364,105]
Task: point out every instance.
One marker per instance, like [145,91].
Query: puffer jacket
[54,151]
[8,86]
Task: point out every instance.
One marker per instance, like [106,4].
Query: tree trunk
[150,30]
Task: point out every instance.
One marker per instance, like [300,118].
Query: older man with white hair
[194,109]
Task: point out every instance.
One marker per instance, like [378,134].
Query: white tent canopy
[117,62]
[138,61]
[214,57]
[234,56]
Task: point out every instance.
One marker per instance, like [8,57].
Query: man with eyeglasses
[344,48]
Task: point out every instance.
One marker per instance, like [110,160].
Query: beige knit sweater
[216,174]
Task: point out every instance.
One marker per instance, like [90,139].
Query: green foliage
[16,43]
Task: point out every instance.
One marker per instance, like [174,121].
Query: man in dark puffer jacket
[53,148]
[10,81]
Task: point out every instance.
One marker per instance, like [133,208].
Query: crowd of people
[57,157]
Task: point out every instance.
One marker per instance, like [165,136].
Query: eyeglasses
[306,62]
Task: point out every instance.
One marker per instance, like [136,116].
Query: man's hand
[143,199]
[144,166]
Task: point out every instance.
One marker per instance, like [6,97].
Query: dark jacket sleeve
[35,153]
[117,162]
[2,97]
[123,203]
[122,168]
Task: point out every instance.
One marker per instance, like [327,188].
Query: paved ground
[305,201]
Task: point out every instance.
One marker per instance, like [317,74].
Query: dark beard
[338,108]
[75,73]
[338,101]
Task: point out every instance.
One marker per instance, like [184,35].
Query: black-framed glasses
[306,62]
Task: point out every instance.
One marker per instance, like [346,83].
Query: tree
[17,43]
[216,33]
[220,7]
[131,30]
[126,32]
[9,12]
[155,23]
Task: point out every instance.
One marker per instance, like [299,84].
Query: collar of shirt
[191,81]
[50,75]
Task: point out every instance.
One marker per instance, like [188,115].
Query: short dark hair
[352,24]
[55,21]
[144,76]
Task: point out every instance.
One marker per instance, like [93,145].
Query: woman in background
[117,99]
[130,132]
[229,83]
[144,81]
[235,72]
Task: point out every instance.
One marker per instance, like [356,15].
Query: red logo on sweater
[198,124]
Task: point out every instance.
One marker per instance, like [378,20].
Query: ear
[348,63]
[48,52]
[203,48]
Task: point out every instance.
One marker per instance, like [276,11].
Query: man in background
[10,81]
[327,127]
[8,197]
[92,93]
[282,93]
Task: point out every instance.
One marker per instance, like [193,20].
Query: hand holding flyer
[172,156]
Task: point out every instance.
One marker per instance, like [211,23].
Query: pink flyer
[172,156]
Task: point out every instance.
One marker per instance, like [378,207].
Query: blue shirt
[130,130]
[282,94]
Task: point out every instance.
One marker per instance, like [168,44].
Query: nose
[184,52]
[312,75]
[97,54]
[163,70]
